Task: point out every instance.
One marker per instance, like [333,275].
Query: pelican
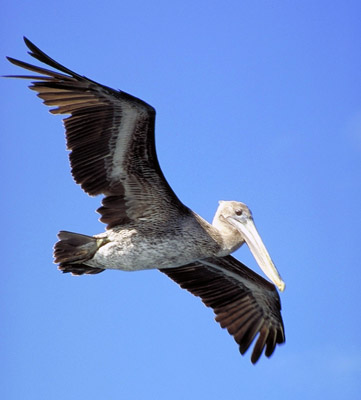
[110,135]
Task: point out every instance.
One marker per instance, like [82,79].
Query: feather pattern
[110,135]
[244,303]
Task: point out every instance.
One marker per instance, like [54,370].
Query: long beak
[258,249]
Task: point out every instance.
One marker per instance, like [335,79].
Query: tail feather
[79,269]
[74,249]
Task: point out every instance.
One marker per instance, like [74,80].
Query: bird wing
[110,135]
[244,303]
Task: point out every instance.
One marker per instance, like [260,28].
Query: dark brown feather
[244,303]
[98,116]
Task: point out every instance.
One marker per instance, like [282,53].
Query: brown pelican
[110,135]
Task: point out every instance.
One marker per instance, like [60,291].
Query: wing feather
[244,303]
[110,135]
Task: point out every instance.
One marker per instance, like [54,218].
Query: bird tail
[74,249]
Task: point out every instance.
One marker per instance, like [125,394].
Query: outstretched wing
[111,138]
[244,302]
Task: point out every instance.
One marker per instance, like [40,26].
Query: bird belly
[129,250]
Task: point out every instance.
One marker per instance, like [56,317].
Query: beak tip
[281,286]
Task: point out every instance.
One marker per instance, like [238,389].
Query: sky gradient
[256,101]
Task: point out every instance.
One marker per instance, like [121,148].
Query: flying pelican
[110,135]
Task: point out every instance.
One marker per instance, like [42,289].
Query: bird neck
[231,238]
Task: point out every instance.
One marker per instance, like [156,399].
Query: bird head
[239,217]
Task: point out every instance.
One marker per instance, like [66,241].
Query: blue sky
[256,101]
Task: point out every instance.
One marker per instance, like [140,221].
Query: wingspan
[111,138]
[244,303]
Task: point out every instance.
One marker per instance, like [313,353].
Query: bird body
[147,245]
[143,246]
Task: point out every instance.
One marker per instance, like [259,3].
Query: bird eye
[239,212]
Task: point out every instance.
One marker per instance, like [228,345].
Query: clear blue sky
[257,101]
